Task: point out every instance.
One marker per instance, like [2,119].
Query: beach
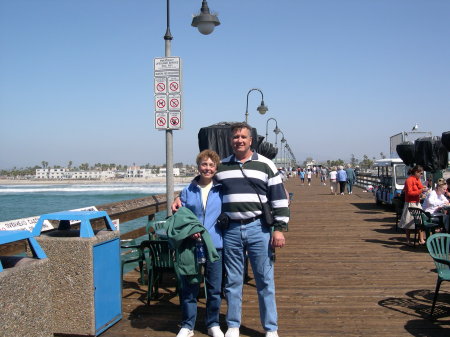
[153,180]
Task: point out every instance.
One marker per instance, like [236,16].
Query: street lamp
[203,21]
[262,109]
[283,140]
[276,130]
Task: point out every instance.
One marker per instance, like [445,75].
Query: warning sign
[160,85]
[174,85]
[161,120]
[167,88]
[175,120]
[175,102]
[160,103]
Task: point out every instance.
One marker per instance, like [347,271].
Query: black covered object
[406,152]
[268,150]
[431,154]
[445,139]
[217,137]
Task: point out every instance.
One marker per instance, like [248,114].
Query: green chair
[131,252]
[154,228]
[422,221]
[159,260]
[439,248]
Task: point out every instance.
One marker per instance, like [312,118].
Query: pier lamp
[262,109]
[205,22]
[283,140]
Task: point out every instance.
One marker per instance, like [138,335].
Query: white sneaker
[215,331]
[272,333]
[185,332]
[232,332]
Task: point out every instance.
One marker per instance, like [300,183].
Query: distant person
[333,181]
[203,196]
[302,176]
[447,192]
[323,175]
[342,179]
[413,190]
[351,178]
[309,176]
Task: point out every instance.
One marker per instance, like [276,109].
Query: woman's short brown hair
[416,168]
[208,154]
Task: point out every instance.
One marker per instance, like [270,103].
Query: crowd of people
[432,201]
[345,178]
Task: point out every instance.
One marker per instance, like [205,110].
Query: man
[246,231]
[351,178]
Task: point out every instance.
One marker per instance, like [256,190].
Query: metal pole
[246,108]
[169,135]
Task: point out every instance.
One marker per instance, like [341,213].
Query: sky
[339,76]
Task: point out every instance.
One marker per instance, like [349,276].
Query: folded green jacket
[180,227]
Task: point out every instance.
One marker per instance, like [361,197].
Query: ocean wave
[103,189]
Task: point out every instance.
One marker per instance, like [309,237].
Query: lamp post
[205,22]
[283,140]
[262,109]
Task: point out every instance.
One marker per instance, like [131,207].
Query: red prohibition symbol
[160,103]
[174,121]
[160,87]
[174,103]
[161,121]
[174,86]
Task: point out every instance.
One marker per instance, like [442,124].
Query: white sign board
[168,94]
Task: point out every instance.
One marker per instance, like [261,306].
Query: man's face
[241,141]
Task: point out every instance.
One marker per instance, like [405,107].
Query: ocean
[22,201]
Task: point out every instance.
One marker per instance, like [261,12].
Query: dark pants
[342,186]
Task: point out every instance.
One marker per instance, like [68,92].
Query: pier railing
[365,179]
[123,211]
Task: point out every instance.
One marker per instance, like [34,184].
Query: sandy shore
[155,180]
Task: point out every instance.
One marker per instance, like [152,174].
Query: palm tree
[69,165]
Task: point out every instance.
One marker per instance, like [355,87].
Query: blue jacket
[341,175]
[191,197]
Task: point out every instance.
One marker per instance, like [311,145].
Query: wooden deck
[344,272]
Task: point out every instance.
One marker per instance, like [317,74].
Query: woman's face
[207,168]
[441,189]
[418,174]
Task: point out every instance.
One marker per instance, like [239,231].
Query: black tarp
[217,137]
[445,139]
[406,152]
[431,154]
[268,150]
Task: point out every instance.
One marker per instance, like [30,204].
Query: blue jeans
[349,186]
[255,239]
[189,293]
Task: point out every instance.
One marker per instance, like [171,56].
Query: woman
[413,189]
[204,198]
[342,179]
[333,181]
[435,200]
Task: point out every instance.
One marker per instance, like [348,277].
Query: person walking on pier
[204,198]
[342,179]
[248,180]
[413,189]
[309,176]
[351,178]
[333,181]
[302,176]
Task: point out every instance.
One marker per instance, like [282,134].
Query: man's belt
[246,221]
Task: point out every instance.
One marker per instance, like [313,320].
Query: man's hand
[176,204]
[278,240]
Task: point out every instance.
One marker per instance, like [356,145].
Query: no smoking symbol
[174,103]
[161,103]
[174,121]
[161,87]
[161,121]
[174,86]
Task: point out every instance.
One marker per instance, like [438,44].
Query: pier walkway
[344,272]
